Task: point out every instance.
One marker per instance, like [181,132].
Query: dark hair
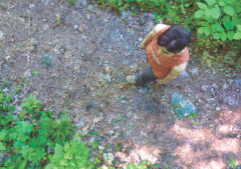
[175,38]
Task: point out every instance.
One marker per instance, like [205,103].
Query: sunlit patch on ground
[140,153]
[208,149]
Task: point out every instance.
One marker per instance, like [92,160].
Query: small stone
[7,57]
[111,132]
[194,71]
[76,27]
[1,35]
[140,39]
[238,83]
[100,63]
[214,86]
[231,101]
[31,6]
[224,86]
[126,62]
[122,96]
[204,88]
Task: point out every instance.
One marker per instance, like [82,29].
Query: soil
[75,59]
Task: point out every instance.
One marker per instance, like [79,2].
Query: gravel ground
[76,59]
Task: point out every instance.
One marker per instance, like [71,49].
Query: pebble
[100,63]
[214,85]
[238,83]
[194,71]
[140,39]
[1,35]
[231,101]
[122,96]
[76,27]
[126,62]
[31,6]
[224,86]
[204,88]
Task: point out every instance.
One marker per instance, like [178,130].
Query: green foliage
[141,165]
[215,23]
[219,19]
[233,163]
[35,138]
[72,155]
[71,2]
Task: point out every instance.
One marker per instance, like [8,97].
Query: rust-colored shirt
[161,64]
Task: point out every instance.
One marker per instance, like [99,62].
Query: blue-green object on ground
[182,107]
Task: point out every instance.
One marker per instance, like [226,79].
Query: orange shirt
[161,64]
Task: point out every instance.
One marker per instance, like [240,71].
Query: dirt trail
[88,52]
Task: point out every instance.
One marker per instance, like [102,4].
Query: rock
[140,39]
[76,27]
[31,6]
[204,88]
[184,74]
[218,108]
[224,86]
[231,100]
[1,35]
[181,106]
[126,62]
[238,83]
[214,85]
[194,71]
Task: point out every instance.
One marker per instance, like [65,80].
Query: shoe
[131,79]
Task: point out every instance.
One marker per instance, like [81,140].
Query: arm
[173,73]
[151,34]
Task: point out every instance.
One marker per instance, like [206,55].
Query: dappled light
[207,148]
[140,153]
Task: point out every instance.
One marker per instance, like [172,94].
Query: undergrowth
[35,138]
[216,24]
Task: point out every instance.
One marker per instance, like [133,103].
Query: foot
[131,79]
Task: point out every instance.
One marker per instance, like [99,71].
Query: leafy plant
[73,154]
[219,19]
[71,2]
[233,163]
[35,138]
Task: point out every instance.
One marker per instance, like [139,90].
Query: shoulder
[180,68]
[159,27]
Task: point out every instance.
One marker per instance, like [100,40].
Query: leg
[145,77]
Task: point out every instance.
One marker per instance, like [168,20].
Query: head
[175,39]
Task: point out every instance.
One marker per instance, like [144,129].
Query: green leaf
[235,20]
[202,5]
[229,10]
[227,23]
[199,13]
[3,133]
[215,13]
[239,27]
[204,30]
[2,147]
[224,36]
[217,35]
[221,3]
[205,24]
[208,13]
[217,28]
[237,36]
[230,35]
[210,2]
